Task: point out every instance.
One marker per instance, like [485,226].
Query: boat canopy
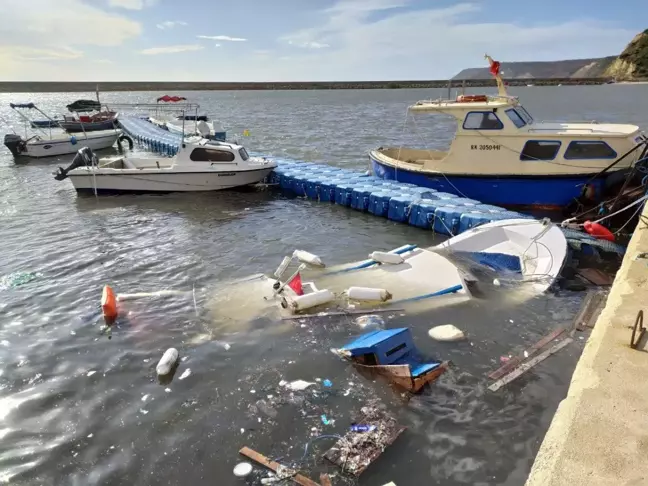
[174,99]
[22,105]
[84,105]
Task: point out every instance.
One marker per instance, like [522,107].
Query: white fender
[366,293]
[310,300]
[169,358]
[309,258]
[389,258]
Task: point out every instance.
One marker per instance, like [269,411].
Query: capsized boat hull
[554,191]
[162,180]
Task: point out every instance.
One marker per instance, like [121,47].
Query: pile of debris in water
[358,448]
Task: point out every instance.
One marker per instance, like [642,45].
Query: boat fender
[309,258]
[598,231]
[384,257]
[282,267]
[307,301]
[123,137]
[168,359]
[73,140]
[109,304]
[366,293]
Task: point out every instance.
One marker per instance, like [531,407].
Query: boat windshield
[243,153]
[524,114]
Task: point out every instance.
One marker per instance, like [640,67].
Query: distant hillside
[573,68]
[633,62]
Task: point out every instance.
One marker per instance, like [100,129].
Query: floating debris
[297,385]
[372,321]
[90,373]
[327,383]
[447,332]
[17,279]
[242,469]
[354,452]
[185,374]
[166,363]
[281,471]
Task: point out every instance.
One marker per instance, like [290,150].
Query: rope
[643,198]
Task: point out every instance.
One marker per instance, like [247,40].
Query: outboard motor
[14,143]
[203,129]
[85,157]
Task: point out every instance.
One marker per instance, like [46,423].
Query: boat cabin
[392,353]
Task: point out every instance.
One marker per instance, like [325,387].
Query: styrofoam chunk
[447,332]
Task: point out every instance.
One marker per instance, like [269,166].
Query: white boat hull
[162,180]
[55,147]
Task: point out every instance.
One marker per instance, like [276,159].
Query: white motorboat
[197,125]
[200,165]
[519,258]
[51,145]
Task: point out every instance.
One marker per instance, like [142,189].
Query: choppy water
[80,408]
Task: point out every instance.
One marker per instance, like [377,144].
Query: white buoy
[282,267]
[242,469]
[309,258]
[384,257]
[447,332]
[169,358]
[311,300]
[366,293]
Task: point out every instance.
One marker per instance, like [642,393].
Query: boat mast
[495,71]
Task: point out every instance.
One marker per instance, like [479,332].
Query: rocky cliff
[632,64]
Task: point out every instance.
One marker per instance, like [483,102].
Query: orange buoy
[109,303]
[598,231]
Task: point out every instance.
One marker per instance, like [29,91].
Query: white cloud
[132,4]
[170,24]
[151,51]
[222,38]
[24,53]
[308,44]
[217,45]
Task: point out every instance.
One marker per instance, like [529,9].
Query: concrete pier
[599,435]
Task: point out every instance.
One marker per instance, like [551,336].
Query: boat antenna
[97,93]
[495,71]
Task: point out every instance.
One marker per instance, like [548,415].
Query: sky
[299,40]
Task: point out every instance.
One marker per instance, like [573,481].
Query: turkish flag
[495,68]
[296,284]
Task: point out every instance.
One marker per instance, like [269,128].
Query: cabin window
[482,120]
[525,115]
[589,150]
[211,155]
[396,349]
[515,117]
[540,150]
[243,153]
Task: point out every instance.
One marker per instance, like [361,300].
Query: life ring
[471,98]
[123,137]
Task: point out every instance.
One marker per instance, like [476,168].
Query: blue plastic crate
[470,219]
[446,219]
[399,208]
[343,193]
[312,187]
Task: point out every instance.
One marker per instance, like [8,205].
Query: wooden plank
[516,360]
[590,309]
[325,480]
[529,364]
[272,465]
[595,276]
[340,313]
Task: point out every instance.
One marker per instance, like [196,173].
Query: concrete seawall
[599,434]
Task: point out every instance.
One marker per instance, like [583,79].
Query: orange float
[598,231]
[109,303]
[471,98]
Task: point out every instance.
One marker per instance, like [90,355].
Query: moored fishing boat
[189,122]
[48,145]
[200,165]
[500,155]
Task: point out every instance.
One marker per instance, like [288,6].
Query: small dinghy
[200,165]
[525,253]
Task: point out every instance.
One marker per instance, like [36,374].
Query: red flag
[295,283]
[495,68]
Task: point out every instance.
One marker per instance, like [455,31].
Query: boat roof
[22,105]
[216,143]
[444,105]
[368,341]
[583,128]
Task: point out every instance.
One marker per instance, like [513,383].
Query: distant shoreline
[60,87]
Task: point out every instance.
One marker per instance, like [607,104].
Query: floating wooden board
[272,465]
[357,450]
[529,364]
[325,480]
[590,309]
[517,360]
[595,276]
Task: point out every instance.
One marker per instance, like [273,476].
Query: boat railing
[591,130]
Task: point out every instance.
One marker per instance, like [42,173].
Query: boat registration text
[485,147]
